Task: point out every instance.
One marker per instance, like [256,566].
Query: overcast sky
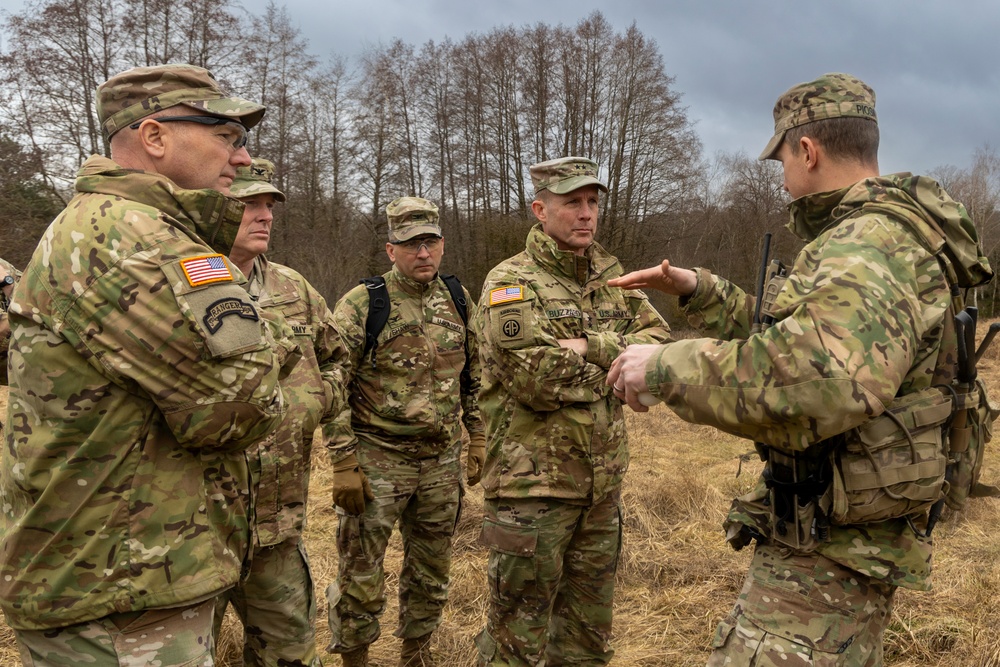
[934,65]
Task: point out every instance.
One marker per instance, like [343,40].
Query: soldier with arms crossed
[398,444]
[550,328]
[275,600]
[140,369]
[842,393]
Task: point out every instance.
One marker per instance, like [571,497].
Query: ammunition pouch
[894,465]
[799,497]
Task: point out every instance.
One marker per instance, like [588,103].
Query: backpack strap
[378,313]
[454,286]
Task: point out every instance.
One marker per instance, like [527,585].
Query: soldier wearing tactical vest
[396,448]
[558,451]
[846,394]
[275,599]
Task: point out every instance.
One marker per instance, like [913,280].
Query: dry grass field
[677,577]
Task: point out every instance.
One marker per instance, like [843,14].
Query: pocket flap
[509,539]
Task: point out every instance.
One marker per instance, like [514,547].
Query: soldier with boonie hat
[551,327]
[138,459]
[857,337]
[276,599]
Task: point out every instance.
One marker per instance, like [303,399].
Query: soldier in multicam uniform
[399,443]
[550,328]
[862,327]
[140,369]
[275,600]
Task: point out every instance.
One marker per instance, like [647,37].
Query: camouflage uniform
[9,270]
[861,323]
[275,600]
[139,372]
[404,425]
[557,450]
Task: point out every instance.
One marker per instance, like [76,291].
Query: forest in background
[457,121]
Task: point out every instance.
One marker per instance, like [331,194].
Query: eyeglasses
[414,245]
[237,136]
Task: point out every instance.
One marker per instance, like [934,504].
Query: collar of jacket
[210,215]
[579,268]
[941,224]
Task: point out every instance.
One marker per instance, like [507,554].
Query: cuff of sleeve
[604,347]
[703,290]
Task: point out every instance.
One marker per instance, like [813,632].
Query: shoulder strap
[378,313]
[462,306]
[457,296]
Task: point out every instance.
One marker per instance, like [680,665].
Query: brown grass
[677,577]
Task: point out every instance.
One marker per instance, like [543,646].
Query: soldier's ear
[152,137]
[538,208]
[391,251]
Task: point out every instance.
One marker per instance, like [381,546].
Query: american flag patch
[505,294]
[206,269]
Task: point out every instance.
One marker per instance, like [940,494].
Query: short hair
[844,138]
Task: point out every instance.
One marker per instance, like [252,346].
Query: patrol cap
[410,217]
[835,95]
[142,91]
[255,180]
[564,175]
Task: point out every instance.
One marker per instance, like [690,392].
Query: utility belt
[893,466]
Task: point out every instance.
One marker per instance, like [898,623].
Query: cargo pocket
[512,566]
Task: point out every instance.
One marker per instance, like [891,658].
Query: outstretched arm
[665,277]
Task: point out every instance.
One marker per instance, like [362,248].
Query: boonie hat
[410,217]
[255,180]
[835,95]
[142,91]
[564,175]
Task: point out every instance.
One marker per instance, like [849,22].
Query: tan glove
[477,455]
[350,486]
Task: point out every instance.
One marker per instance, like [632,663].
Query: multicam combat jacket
[860,322]
[412,400]
[280,462]
[140,371]
[554,428]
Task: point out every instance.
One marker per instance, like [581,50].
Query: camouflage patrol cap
[564,175]
[142,91]
[410,217]
[255,180]
[833,95]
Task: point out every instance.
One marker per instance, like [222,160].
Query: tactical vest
[924,451]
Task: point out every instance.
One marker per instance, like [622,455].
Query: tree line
[457,121]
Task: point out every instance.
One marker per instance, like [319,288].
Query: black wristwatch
[6,280]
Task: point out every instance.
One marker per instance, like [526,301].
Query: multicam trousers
[552,578]
[424,496]
[803,610]
[179,637]
[277,606]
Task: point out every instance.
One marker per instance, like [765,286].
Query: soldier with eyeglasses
[396,450]
[140,371]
